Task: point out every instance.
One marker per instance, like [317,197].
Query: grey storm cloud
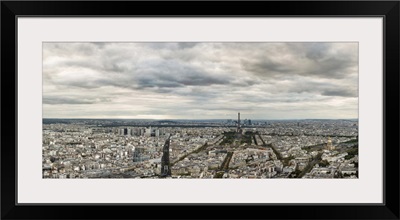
[308,59]
[71,101]
[187,44]
[152,73]
[176,74]
[137,79]
[343,93]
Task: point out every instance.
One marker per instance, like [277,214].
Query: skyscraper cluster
[148,132]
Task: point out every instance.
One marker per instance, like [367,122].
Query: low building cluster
[311,149]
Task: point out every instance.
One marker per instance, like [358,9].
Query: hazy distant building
[247,122]
[148,132]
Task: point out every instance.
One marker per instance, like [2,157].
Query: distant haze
[200,80]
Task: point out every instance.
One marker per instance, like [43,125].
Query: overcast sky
[200,80]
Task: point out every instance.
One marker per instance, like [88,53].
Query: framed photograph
[285,110]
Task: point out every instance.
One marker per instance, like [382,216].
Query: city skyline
[206,119]
[315,149]
[200,81]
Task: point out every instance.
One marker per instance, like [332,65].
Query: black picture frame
[11,10]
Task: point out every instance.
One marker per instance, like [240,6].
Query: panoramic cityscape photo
[200,110]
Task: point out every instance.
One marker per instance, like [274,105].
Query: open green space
[351,152]
[229,137]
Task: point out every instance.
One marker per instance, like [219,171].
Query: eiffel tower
[165,165]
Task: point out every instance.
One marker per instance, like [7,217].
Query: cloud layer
[200,80]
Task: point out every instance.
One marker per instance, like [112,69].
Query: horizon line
[207,119]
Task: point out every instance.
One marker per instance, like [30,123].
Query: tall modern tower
[165,165]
